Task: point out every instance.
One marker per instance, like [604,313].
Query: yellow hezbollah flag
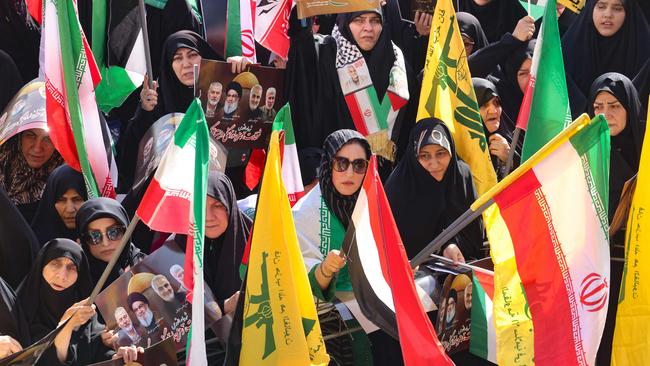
[448,94]
[573,5]
[632,332]
[280,323]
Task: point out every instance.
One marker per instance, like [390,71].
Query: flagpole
[464,265]
[145,39]
[465,219]
[195,70]
[113,261]
[513,147]
[528,7]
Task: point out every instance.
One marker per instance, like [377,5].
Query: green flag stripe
[233,27]
[283,121]
[478,342]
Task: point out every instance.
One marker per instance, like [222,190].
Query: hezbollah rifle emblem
[264,315]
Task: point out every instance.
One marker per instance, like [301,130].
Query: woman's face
[608,16]
[60,273]
[67,206]
[482,2]
[104,228]
[616,115]
[36,147]
[491,114]
[353,158]
[183,65]
[468,43]
[216,218]
[523,74]
[366,29]
[435,160]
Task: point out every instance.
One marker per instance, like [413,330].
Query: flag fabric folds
[71,75]
[632,331]
[240,29]
[448,94]
[545,110]
[548,233]
[175,202]
[118,46]
[483,342]
[290,165]
[271,25]
[280,323]
[382,278]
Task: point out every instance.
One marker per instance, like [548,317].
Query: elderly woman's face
[60,273]
[183,65]
[366,29]
[216,218]
[616,115]
[36,147]
[349,166]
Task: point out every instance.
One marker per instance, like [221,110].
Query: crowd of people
[55,242]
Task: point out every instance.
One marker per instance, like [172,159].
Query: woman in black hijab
[14,332]
[512,85]
[318,84]
[496,125]
[497,17]
[56,287]
[65,192]
[425,196]
[226,233]
[591,49]
[614,96]
[101,223]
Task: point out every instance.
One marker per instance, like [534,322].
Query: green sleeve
[327,295]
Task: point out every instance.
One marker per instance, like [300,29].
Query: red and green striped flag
[175,202]
[71,76]
[240,29]
[483,342]
[290,164]
[545,109]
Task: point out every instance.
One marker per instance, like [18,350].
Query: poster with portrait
[155,141]
[148,303]
[310,8]
[30,355]
[240,108]
[25,111]
[162,353]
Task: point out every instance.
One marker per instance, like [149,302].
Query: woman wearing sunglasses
[429,189]
[321,218]
[101,223]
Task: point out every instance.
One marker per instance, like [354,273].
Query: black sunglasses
[94,237]
[341,164]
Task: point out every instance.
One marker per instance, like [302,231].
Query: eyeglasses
[341,164]
[94,237]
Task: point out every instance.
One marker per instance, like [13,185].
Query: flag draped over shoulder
[118,46]
[290,165]
[71,75]
[483,342]
[271,25]
[632,332]
[382,278]
[548,233]
[280,323]
[546,99]
[175,202]
[448,94]
[240,29]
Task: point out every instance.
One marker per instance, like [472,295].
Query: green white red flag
[71,76]
[290,165]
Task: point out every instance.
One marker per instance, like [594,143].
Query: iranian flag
[240,29]
[290,165]
[483,342]
[549,241]
[71,75]
[382,278]
[175,202]
[545,108]
[118,46]
[272,24]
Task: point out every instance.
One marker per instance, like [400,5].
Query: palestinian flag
[545,109]
[382,278]
[549,241]
[240,29]
[118,45]
[483,342]
[290,166]
[71,75]
[175,202]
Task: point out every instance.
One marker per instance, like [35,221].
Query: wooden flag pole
[113,261]
[145,39]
